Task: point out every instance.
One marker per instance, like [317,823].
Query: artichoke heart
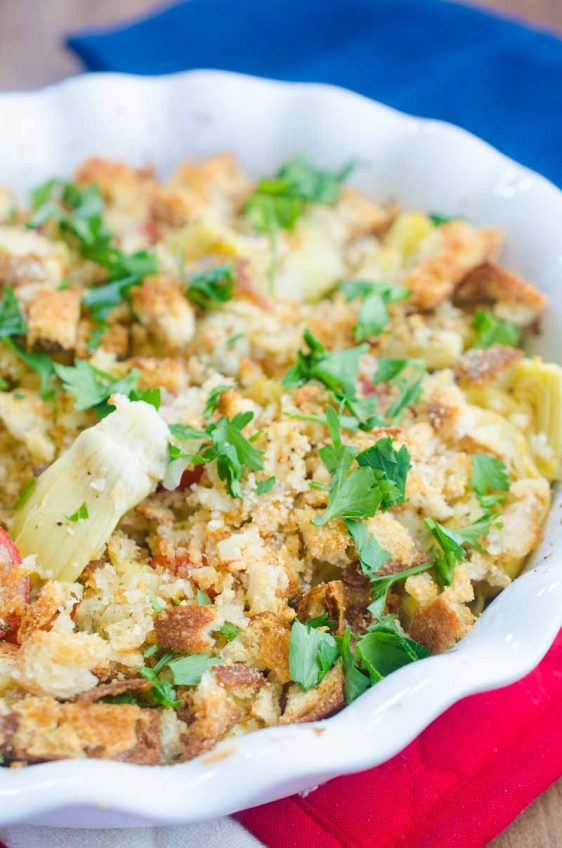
[539,385]
[79,499]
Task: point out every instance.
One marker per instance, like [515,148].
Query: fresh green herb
[355,682]
[265,486]
[188,671]
[92,388]
[12,322]
[230,631]
[384,650]
[64,284]
[373,316]
[78,213]
[151,396]
[154,602]
[224,443]
[80,515]
[391,469]
[406,376]
[25,493]
[212,287]
[122,698]
[312,653]
[203,599]
[321,621]
[233,339]
[490,480]
[449,548]
[151,651]
[162,691]
[4,384]
[165,695]
[438,220]
[19,395]
[213,399]
[337,370]
[39,362]
[491,330]
[381,583]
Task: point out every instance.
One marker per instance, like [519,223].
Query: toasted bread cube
[53,317]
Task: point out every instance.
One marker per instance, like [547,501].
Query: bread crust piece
[326,598]
[481,366]
[48,730]
[435,277]
[185,629]
[445,619]
[41,614]
[163,309]
[209,714]
[488,283]
[324,700]
[52,321]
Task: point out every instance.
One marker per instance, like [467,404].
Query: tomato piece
[190,476]
[14,587]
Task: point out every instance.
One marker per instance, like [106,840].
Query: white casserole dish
[420,163]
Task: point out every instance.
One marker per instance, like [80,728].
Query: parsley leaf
[391,468]
[371,555]
[91,387]
[373,315]
[151,396]
[490,480]
[188,671]
[80,515]
[384,650]
[12,322]
[355,682]
[39,362]
[265,486]
[438,220]
[230,631]
[449,549]
[212,287]
[312,653]
[213,399]
[491,330]
[154,602]
[203,599]
[406,375]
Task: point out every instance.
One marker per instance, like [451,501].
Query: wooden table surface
[31,55]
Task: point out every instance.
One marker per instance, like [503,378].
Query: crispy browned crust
[116,687]
[183,629]
[435,277]
[325,597]
[480,366]
[41,613]
[357,590]
[322,701]
[48,730]
[488,283]
[238,677]
[165,373]
[438,625]
[272,635]
[110,176]
[52,321]
[19,270]
[209,714]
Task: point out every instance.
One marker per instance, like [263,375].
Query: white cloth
[218,833]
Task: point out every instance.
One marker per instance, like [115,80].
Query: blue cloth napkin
[500,80]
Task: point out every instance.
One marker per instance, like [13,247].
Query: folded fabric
[498,79]
[461,782]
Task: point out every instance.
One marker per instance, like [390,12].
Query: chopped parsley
[77,211]
[81,513]
[12,322]
[213,399]
[277,203]
[449,548]
[391,469]
[203,599]
[489,480]
[406,376]
[373,316]
[438,220]
[188,671]
[39,362]
[154,602]
[92,388]
[355,681]
[151,396]
[312,653]
[385,649]
[230,631]
[265,486]
[337,370]
[212,287]
[223,442]
[491,330]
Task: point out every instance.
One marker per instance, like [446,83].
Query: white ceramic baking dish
[425,164]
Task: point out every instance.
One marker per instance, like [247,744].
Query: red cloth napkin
[460,783]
